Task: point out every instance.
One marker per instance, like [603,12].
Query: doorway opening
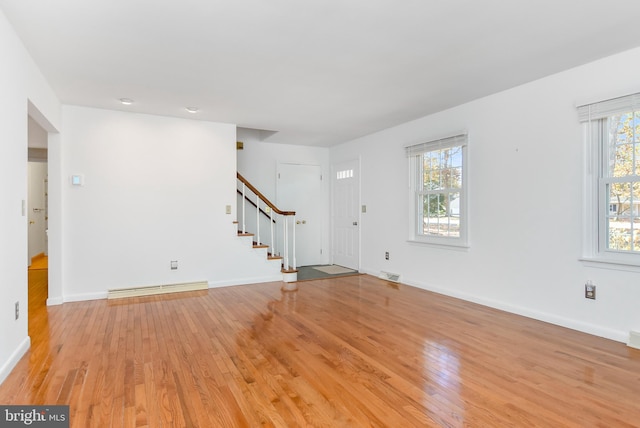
[38,217]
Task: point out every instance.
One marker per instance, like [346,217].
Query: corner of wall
[13,360]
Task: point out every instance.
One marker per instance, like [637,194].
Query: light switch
[228,209]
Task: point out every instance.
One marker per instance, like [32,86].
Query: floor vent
[388,276]
[156,289]
[634,339]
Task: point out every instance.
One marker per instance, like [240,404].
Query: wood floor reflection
[350,351]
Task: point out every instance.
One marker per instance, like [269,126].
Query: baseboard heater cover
[388,276]
[634,339]
[156,289]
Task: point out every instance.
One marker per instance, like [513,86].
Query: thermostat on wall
[77,179]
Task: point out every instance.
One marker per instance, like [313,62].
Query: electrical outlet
[17,310]
[386,255]
[174,264]
[590,290]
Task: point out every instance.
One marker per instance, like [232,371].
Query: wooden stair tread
[269,255]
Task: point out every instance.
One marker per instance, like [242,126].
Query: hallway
[38,294]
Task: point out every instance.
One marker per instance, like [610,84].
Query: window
[341,175]
[438,204]
[613,140]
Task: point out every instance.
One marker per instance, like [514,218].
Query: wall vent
[388,276]
[156,289]
[634,339]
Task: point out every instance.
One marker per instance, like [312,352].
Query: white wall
[20,83]
[258,163]
[525,188]
[155,190]
[37,136]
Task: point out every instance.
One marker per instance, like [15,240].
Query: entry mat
[333,269]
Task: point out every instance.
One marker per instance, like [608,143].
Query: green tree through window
[621,181]
[438,191]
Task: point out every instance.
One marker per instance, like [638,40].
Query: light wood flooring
[349,351]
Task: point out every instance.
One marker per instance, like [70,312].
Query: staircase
[269,230]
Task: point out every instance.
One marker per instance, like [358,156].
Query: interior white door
[345,214]
[300,189]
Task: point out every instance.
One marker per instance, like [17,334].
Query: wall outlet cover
[590,291]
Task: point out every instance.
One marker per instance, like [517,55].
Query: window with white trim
[438,191]
[612,130]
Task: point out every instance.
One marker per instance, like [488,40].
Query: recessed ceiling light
[126,101]
[192,109]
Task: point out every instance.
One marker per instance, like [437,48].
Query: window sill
[603,263]
[445,246]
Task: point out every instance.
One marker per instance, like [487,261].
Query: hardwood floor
[350,351]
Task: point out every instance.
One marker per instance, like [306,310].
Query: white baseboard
[85,296]
[618,336]
[152,290]
[634,339]
[15,357]
[245,281]
[54,301]
[81,297]
[607,333]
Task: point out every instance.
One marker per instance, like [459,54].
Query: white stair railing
[267,211]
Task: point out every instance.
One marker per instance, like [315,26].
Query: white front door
[345,214]
[300,190]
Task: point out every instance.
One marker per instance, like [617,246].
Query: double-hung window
[612,130]
[438,191]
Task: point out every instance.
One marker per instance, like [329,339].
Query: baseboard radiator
[151,290]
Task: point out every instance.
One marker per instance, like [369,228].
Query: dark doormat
[306,273]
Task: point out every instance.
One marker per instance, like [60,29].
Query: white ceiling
[317,72]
